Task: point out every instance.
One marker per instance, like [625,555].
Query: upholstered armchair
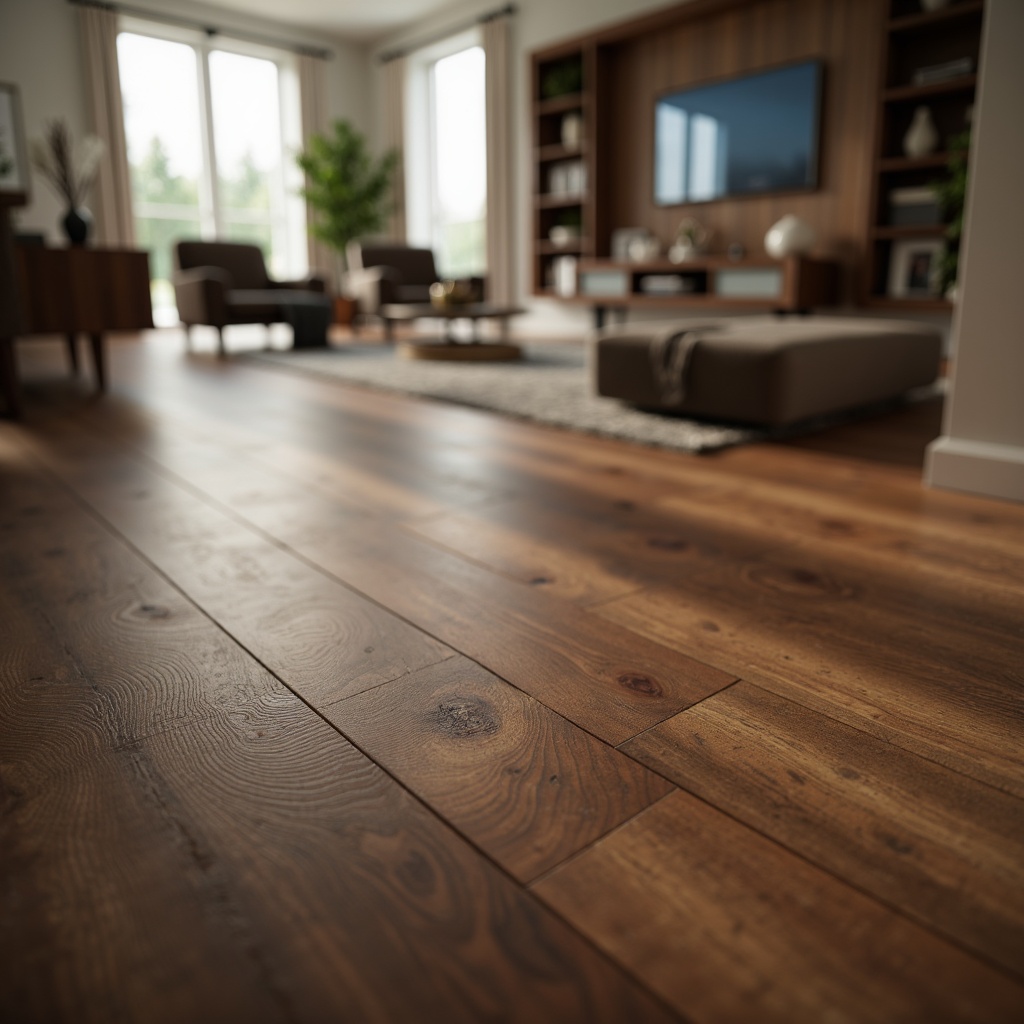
[222,283]
[385,273]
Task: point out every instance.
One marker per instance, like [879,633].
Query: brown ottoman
[766,370]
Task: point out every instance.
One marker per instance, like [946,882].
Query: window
[209,140]
[447,155]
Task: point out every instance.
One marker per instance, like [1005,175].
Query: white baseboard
[994,470]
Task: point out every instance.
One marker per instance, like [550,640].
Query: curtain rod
[210,30]
[481,19]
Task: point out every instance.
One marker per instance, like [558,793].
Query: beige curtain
[500,241]
[393,137]
[315,121]
[111,200]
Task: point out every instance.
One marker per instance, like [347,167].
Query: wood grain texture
[523,784]
[147,659]
[727,926]
[607,680]
[362,904]
[322,639]
[796,628]
[945,849]
[725,45]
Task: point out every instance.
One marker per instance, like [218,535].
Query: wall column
[982,447]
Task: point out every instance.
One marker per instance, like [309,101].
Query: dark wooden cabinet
[71,292]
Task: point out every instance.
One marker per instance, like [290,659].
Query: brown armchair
[222,283]
[385,273]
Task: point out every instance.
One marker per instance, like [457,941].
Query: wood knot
[640,684]
[667,544]
[154,611]
[540,581]
[798,581]
[465,716]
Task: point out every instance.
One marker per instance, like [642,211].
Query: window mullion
[212,222]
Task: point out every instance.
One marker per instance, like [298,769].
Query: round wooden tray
[455,351]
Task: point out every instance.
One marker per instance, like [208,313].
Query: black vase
[77,223]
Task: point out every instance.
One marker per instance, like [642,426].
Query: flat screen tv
[740,137]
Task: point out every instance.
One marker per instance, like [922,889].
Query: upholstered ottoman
[765,370]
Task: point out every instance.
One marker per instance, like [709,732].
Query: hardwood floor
[320,704]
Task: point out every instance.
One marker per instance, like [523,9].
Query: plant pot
[344,311]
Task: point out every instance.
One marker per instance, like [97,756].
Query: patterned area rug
[551,384]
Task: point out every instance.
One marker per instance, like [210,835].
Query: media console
[792,285]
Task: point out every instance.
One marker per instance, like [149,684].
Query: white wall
[982,448]
[40,52]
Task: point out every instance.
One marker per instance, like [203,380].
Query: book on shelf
[935,73]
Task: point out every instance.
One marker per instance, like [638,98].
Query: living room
[325,701]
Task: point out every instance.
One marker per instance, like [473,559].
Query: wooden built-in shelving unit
[869,99]
[913,39]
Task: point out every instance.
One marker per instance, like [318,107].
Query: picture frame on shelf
[14,180]
[914,268]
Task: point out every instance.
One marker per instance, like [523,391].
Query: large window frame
[422,187]
[286,217]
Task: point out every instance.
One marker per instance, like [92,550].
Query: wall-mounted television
[745,136]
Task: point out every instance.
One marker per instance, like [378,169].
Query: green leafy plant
[562,79]
[348,189]
[952,193]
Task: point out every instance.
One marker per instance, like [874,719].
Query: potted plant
[952,194]
[348,189]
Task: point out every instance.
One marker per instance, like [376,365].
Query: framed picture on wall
[13,154]
[914,268]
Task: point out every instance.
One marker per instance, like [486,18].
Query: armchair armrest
[201,295]
[372,287]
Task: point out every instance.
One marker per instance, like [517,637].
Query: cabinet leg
[221,350]
[72,340]
[599,312]
[98,361]
[9,378]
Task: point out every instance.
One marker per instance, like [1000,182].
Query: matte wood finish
[517,779]
[73,291]
[716,899]
[318,704]
[767,760]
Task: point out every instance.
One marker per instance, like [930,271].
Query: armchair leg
[188,337]
[221,350]
[389,329]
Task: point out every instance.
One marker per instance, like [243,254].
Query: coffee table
[451,348]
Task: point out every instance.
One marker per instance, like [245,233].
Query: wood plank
[318,636]
[727,926]
[942,848]
[111,912]
[137,868]
[379,912]
[65,581]
[605,679]
[792,632]
[520,782]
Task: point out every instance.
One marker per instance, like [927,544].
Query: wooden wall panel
[844,34]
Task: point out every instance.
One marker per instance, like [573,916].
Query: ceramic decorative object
[922,136]
[564,234]
[691,240]
[572,131]
[644,249]
[77,223]
[789,236]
